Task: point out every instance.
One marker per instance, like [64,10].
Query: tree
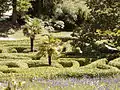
[32,27]
[14,13]
[4,6]
[103,23]
[49,47]
[19,9]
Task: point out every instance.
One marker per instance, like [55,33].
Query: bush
[12,50]
[57,65]
[82,61]
[59,25]
[4,50]
[36,57]
[14,56]
[26,50]
[0,50]
[90,72]
[97,63]
[36,64]
[75,64]
[115,63]
[12,64]
[20,49]
[66,64]
[3,67]
[71,14]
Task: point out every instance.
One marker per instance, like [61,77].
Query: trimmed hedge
[0,50]
[36,64]
[12,50]
[57,65]
[97,63]
[115,63]
[14,64]
[66,64]
[81,61]
[13,56]
[75,64]
[20,49]
[90,72]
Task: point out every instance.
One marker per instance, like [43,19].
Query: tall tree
[14,13]
[20,7]
[104,19]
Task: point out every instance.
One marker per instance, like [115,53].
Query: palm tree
[49,47]
[31,28]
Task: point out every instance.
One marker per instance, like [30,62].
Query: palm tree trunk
[14,13]
[32,44]
[49,59]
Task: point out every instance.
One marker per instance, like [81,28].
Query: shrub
[36,64]
[9,71]
[82,61]
[16,64]
[14,56]
[26,50]
[20,49]
[59,25]
[13,64]
[71,14]
[57,65]
[66,64]
[115,63]
[0,50]
[36,57]
[97,63]
[75,64]
[3,67]
[12,50]
[90,72]
[4,50]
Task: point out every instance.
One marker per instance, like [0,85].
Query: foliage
[71,14]
[12,50]
[66,64]
[4,6]
[23,5]
[33,26]
[102,24]
[49,47]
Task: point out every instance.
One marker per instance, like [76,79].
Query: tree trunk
[49,59]
[14,13]
[39,7]
[32,44]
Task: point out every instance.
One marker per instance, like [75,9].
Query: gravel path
[2,38]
